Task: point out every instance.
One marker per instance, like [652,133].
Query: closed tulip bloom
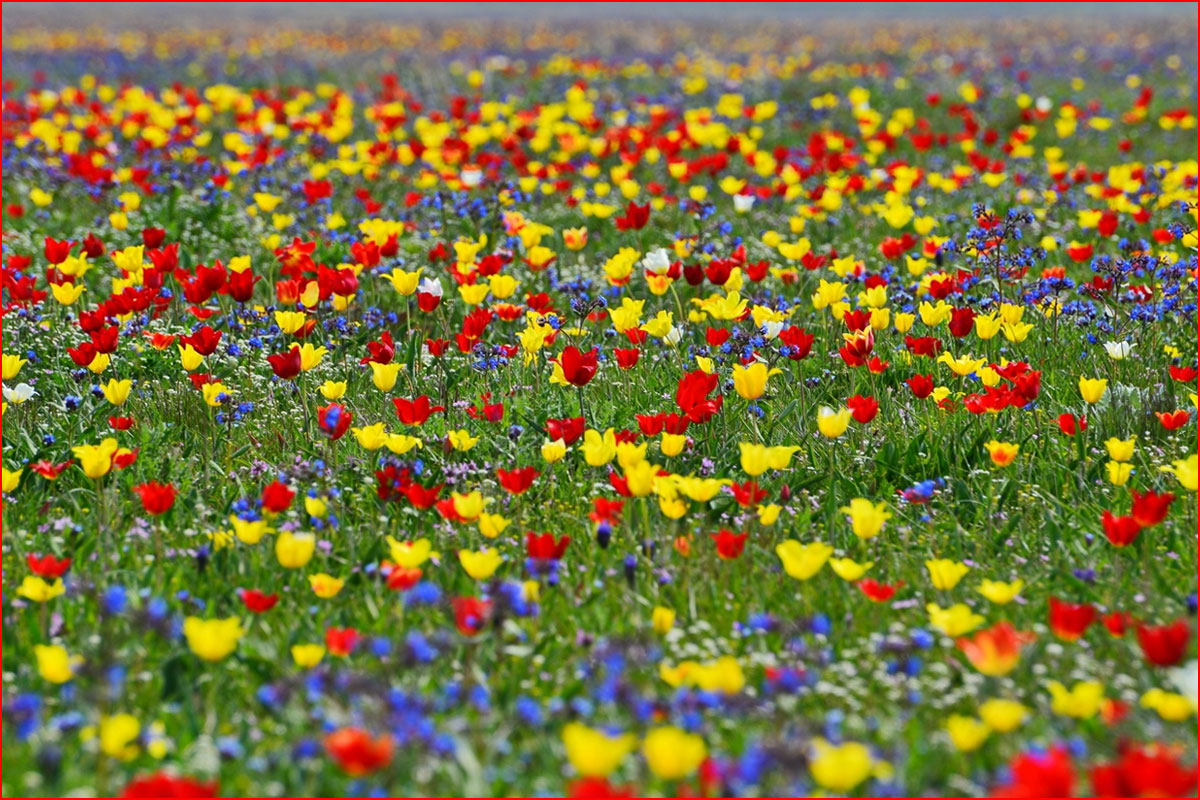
[1120,450]
[662,620]
[480,565]
[1092,389]
[1002,453]
[212,639]
[839,768]
[12,365]
[751,381]
[325,586]
[966,733]
[594,753]
[673,754]
[1002,716]
[831,423]
[294,550]
[54,664]
[96,460]
[384,375]
[866,518]
[117,391]
[307,656]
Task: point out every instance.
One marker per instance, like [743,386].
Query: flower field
[609,410]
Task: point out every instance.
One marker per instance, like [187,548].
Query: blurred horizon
[137,15]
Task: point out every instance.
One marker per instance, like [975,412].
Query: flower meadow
[600,410]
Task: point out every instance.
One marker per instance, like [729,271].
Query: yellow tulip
[461,440]
[480,565]
[1000,592]
[249,531]
[54,663]
[307,656]
[839,768]
[212,639]
[189,358]
[1120,450]
[325,586]
[662,619]
[1081,701]
[554,451]
[384,375]
[1185,471]
[848,569]
[311,356]
[866,518]
[1092,389]
[750,382]
[96,459]
[966,733]
[405,283]
[833,424]
[409,555]
[802,561]
[956,620]
[332,390]
[12,365]
[67,293]
[945,574]
[1002,716]
[372,437]
[11,480]
[492,525]
[673,754]
[294,550]
[118,736]
[594,753]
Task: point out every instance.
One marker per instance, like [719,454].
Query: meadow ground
[643,408]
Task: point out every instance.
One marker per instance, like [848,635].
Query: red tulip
[1173,420]
[401,579]
[334,420]
[341,641]
[579,368]
[627,358]
[1121,531]
[470,614]
[876,591]
[1164,645]
[634,218]
[1039,774]
[357,752]
[47,566]
[164,785]
[569,429]
[1149,509]
[729,544]
[416,411]
[1116,622]
[517,481]
[1070,425]
[1070,621]
[921,386]
[157,498]
[862,408]
[258,603]
[286,365]
[1144,771]
[544,547]
[276,497]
